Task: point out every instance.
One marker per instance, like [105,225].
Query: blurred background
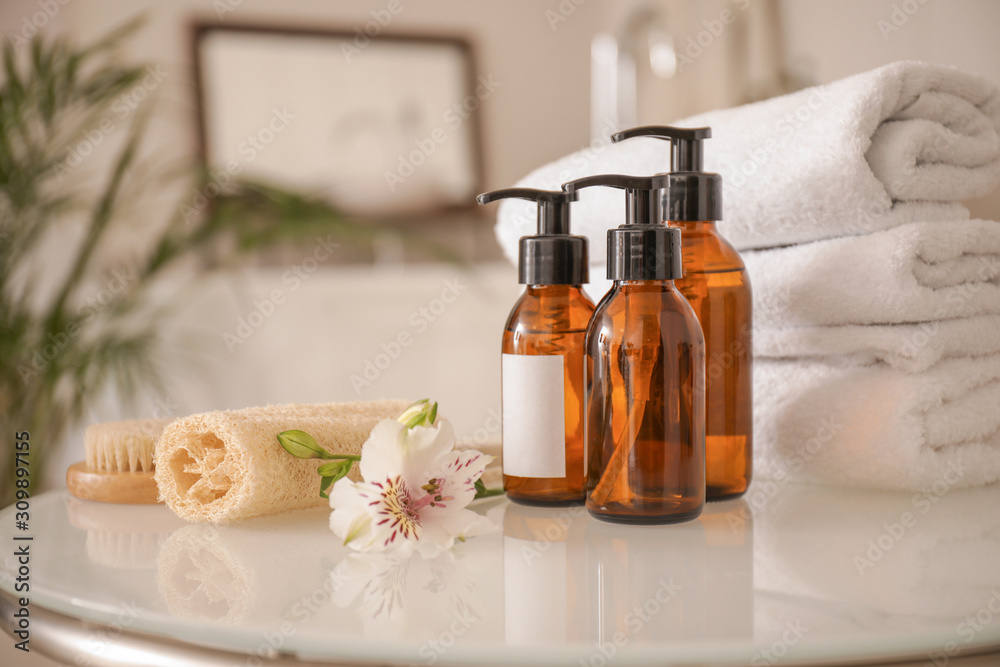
[254,202]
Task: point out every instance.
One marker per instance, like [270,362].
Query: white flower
[414,493]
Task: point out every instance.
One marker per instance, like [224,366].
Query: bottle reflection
[691,581]
[571,578]
[646,584]
[730,581]
[543,574]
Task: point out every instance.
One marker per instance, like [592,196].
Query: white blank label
[534,418]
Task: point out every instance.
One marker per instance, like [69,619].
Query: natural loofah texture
[226,466]
[125,446]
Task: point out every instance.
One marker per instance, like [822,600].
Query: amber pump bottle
[716,285]
[543,354]
[645,373]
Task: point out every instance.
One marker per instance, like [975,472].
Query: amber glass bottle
[716,285]
[542,358]
[645,375]
[552,320]
[646,406]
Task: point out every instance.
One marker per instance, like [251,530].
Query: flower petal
[424,446]
[458,472]
[350,517]
[374,516]
[382,453]
[392,450]
[441,529]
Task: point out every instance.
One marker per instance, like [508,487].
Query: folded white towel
[897,144]
[912,348]
[877,427]
[916,272]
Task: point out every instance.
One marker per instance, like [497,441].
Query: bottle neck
[552,290]
[692,225]
[644,285]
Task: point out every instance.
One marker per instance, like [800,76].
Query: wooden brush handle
[133,488]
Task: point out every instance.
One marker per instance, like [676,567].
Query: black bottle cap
[553,256]
[690,193]
[643,248]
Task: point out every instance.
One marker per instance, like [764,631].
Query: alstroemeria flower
[414,493]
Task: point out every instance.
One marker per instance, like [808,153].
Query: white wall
[543,73]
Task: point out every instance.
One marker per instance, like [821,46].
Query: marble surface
[789,574]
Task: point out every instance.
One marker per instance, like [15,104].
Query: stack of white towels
[876,298]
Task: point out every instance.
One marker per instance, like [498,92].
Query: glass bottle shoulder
[644,304]
[705,250]
[550,309]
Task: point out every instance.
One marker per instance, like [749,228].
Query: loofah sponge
[227,465]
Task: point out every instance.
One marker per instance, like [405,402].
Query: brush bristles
[126,446]
[125,551]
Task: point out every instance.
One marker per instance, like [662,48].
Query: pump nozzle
[553,206]
[552,256]
[690,193]
[640,194]
[686,146]
[642,248]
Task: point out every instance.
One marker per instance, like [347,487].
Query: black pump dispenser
[643,248]
[690,194]
[553,256]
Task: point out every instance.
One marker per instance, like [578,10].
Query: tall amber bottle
[717,286]
[542,359]
[645,374]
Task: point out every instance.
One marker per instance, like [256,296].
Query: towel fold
[874,426]
[916,272]
[898,144]
[227,465]
[912,348]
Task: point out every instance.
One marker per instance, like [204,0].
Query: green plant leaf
[324,486]
[335,469]
[419,413]
[302,445]
[483,492]
[412,411]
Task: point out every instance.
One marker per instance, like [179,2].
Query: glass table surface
[789,574]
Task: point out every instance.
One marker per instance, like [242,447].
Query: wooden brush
[119,464]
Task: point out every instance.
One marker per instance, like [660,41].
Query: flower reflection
[407,594]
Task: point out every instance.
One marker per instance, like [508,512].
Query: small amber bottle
[717,286]
[542,360]
[645,373]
